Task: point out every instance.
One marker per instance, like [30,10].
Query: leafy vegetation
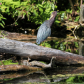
[65,46]
[35,11]
[72,78]
[7,62]
[75,79]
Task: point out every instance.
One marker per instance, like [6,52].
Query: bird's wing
[43,32]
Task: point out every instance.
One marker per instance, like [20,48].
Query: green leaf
[1,25]
[3,22]
[62,16]
[35,12]
[41,10]
[77,19]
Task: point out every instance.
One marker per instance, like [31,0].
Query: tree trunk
[36,52]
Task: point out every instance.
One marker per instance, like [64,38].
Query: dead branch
[40,64]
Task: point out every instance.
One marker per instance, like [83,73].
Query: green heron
[45,29]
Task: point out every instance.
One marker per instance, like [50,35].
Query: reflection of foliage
[78,79]
[70,78]
[66,46]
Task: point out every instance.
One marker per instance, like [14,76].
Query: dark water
[58,75]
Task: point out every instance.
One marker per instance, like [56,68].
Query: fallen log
[36,52]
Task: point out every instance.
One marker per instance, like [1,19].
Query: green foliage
[7,62]
[63,14]
[46,44]
[56,44]
[68,11]
[61,46]
[2,23]
[78,79]
[76,44]
[35,10]
[65,46]
[77,19]
[68,50]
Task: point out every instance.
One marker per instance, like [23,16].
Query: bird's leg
[41,44]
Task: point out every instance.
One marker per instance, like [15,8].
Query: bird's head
[52,18]
[54,13]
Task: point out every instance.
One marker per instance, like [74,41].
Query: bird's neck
[51,20]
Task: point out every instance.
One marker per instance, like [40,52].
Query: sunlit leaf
[1,25]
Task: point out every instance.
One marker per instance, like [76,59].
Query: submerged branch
[17,67]
[34,65]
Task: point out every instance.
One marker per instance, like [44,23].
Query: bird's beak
[51,16]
